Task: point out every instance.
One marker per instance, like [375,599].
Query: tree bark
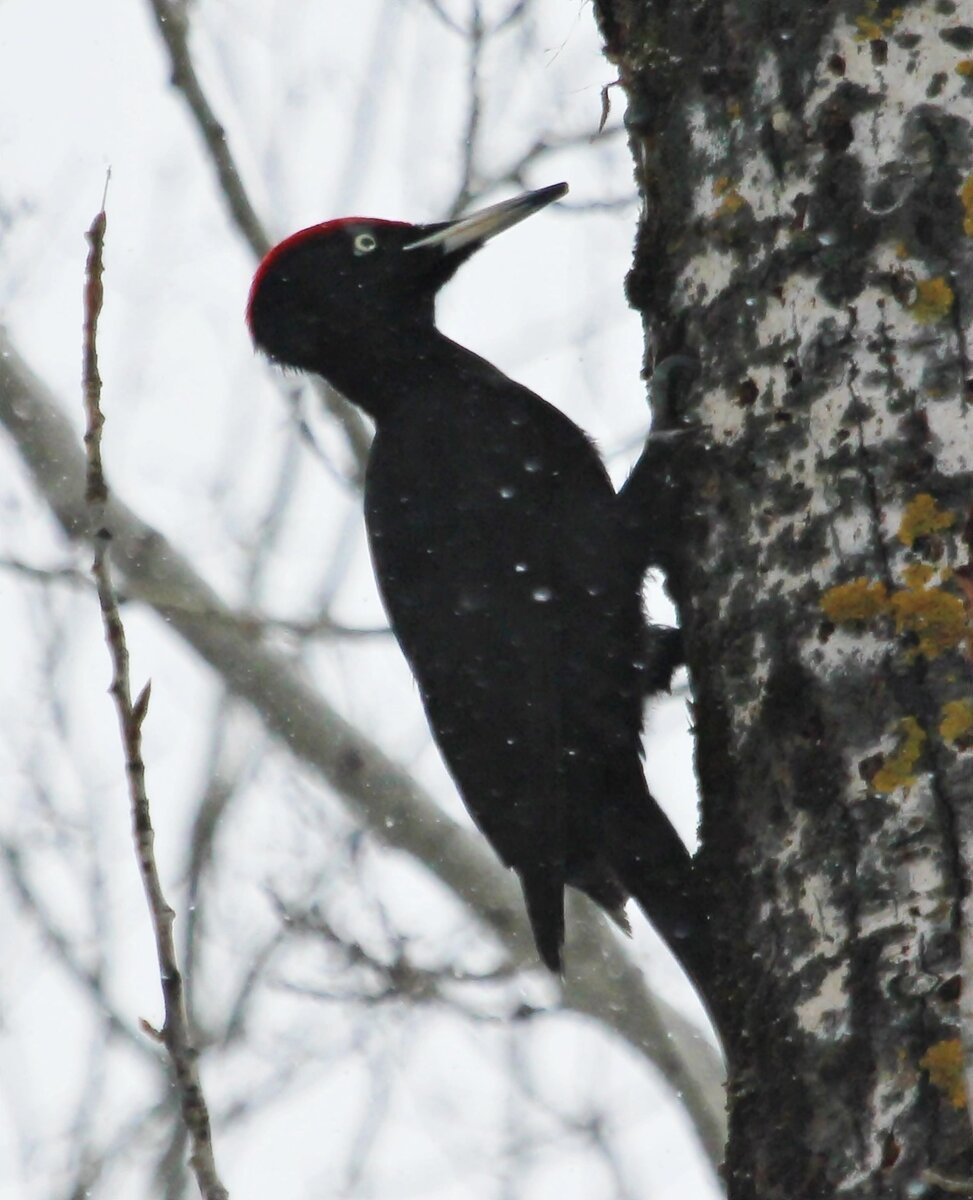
[807,236]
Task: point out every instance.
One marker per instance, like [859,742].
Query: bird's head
[321,291]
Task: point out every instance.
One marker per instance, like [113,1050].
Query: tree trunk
[807,235]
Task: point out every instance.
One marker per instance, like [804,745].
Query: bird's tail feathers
[598,881]
[654,866]
[544,896]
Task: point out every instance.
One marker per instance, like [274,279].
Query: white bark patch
[760,189]
[710,151]
[916,863]
[952,445]
[724,417]
[850,533]
[823,915]
[896,324]
[705,277]
[846,650]
[825,1014]
[744,715]
[766,85]
[911,69]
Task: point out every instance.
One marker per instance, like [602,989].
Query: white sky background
[332,108]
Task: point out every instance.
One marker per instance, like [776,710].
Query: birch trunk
[807,235]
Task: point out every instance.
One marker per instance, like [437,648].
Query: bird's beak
[475,229]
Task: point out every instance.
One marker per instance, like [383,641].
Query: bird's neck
[406,369]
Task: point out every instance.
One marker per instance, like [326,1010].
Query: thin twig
[444,16]
[470,145]
[46,575]
[548,144]
[175,1030]
[519,10]
[92,981]
[246,620]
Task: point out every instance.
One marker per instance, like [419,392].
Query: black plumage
[502,561]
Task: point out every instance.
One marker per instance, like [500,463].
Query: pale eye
[364,243]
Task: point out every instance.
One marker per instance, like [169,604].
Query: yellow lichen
[872,27]
[869,29]
[936,617]
[927,607]
[957,721]
[966,197]
[923,516]
[944,1063]
[899,769]
[965,67]
[901,250]
[917,575]
[934,299]
[731,201]
[859,600]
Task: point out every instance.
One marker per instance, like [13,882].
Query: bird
[502,560]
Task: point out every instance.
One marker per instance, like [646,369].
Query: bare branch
[175,1030]
[514,14]
[173,25]
[319,627]
[248,622]
[515,173]
[444,16]
[46,575]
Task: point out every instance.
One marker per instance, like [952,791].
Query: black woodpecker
[502,562]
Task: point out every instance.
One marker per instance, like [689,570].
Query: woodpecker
[500,552]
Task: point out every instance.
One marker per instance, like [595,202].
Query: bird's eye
[364,243]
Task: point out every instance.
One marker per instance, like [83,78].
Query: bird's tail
[544,896]
[652,863]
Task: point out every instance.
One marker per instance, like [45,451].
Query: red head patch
[295,239]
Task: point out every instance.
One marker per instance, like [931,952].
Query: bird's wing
[489,560]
